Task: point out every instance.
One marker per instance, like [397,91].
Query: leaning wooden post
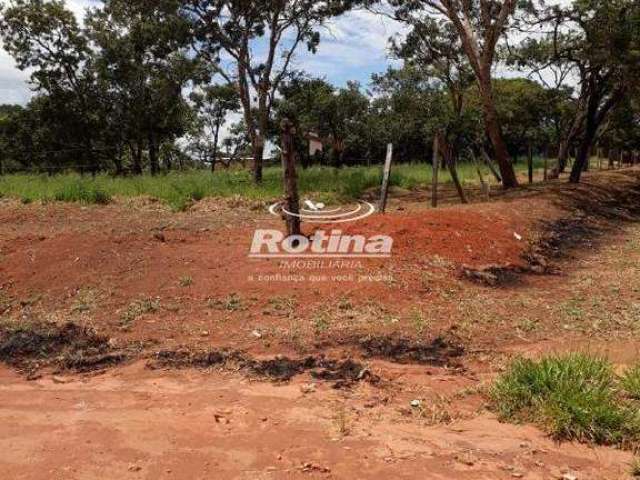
[610,165]
[489,163]
[292,198]
[435,164]
[599,158]
[484,186]
[382,207]
[530,165]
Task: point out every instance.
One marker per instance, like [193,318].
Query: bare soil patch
[409,342]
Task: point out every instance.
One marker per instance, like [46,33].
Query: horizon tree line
[152,84]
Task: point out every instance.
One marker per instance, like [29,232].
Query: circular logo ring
[362,211]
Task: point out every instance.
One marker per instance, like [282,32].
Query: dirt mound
[32,346]
[593,210]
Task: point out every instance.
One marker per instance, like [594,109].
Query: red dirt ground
[94,265]
[113,252]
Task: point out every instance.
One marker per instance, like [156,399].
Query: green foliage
[573,397]
[338,116]
[631,382]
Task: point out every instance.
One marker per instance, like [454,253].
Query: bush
[573,397]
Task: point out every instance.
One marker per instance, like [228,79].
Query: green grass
[181,189]
[631,382]
[572,397]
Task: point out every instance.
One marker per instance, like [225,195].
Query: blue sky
[353,47]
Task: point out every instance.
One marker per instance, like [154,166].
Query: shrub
[573,397]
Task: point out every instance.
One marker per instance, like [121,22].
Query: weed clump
[82,192]
[631,382]
[572,397]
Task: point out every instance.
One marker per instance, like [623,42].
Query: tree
[143,66]
[479,25]
[336,115]
[434,47]
[226,36]
[523,107]
[44,36]
[622,129]
[213,103]
[405,101]
[599,40]
[10,127]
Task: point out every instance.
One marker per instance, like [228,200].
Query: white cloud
[353,46]
[13,82]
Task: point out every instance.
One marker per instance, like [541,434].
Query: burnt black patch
[32,346]
[185,358]
[438,352]
[279,368]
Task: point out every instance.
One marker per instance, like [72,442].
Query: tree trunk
[582,157]
[449,157]
[563,156]
[214,156]
[435,163]
[258,156]
[117,161]
[494,131]
[153,155]
[490,165]
[586,143]
[136,157]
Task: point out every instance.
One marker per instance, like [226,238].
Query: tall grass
[573,397]
[180,189]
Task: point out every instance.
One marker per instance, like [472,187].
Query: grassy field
[179,189]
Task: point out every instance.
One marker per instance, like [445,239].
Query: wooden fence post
[382,207]
[292,198]
[610,158]
[530,165]
[484,186]
[599,159]
[546,164]
[435,164]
